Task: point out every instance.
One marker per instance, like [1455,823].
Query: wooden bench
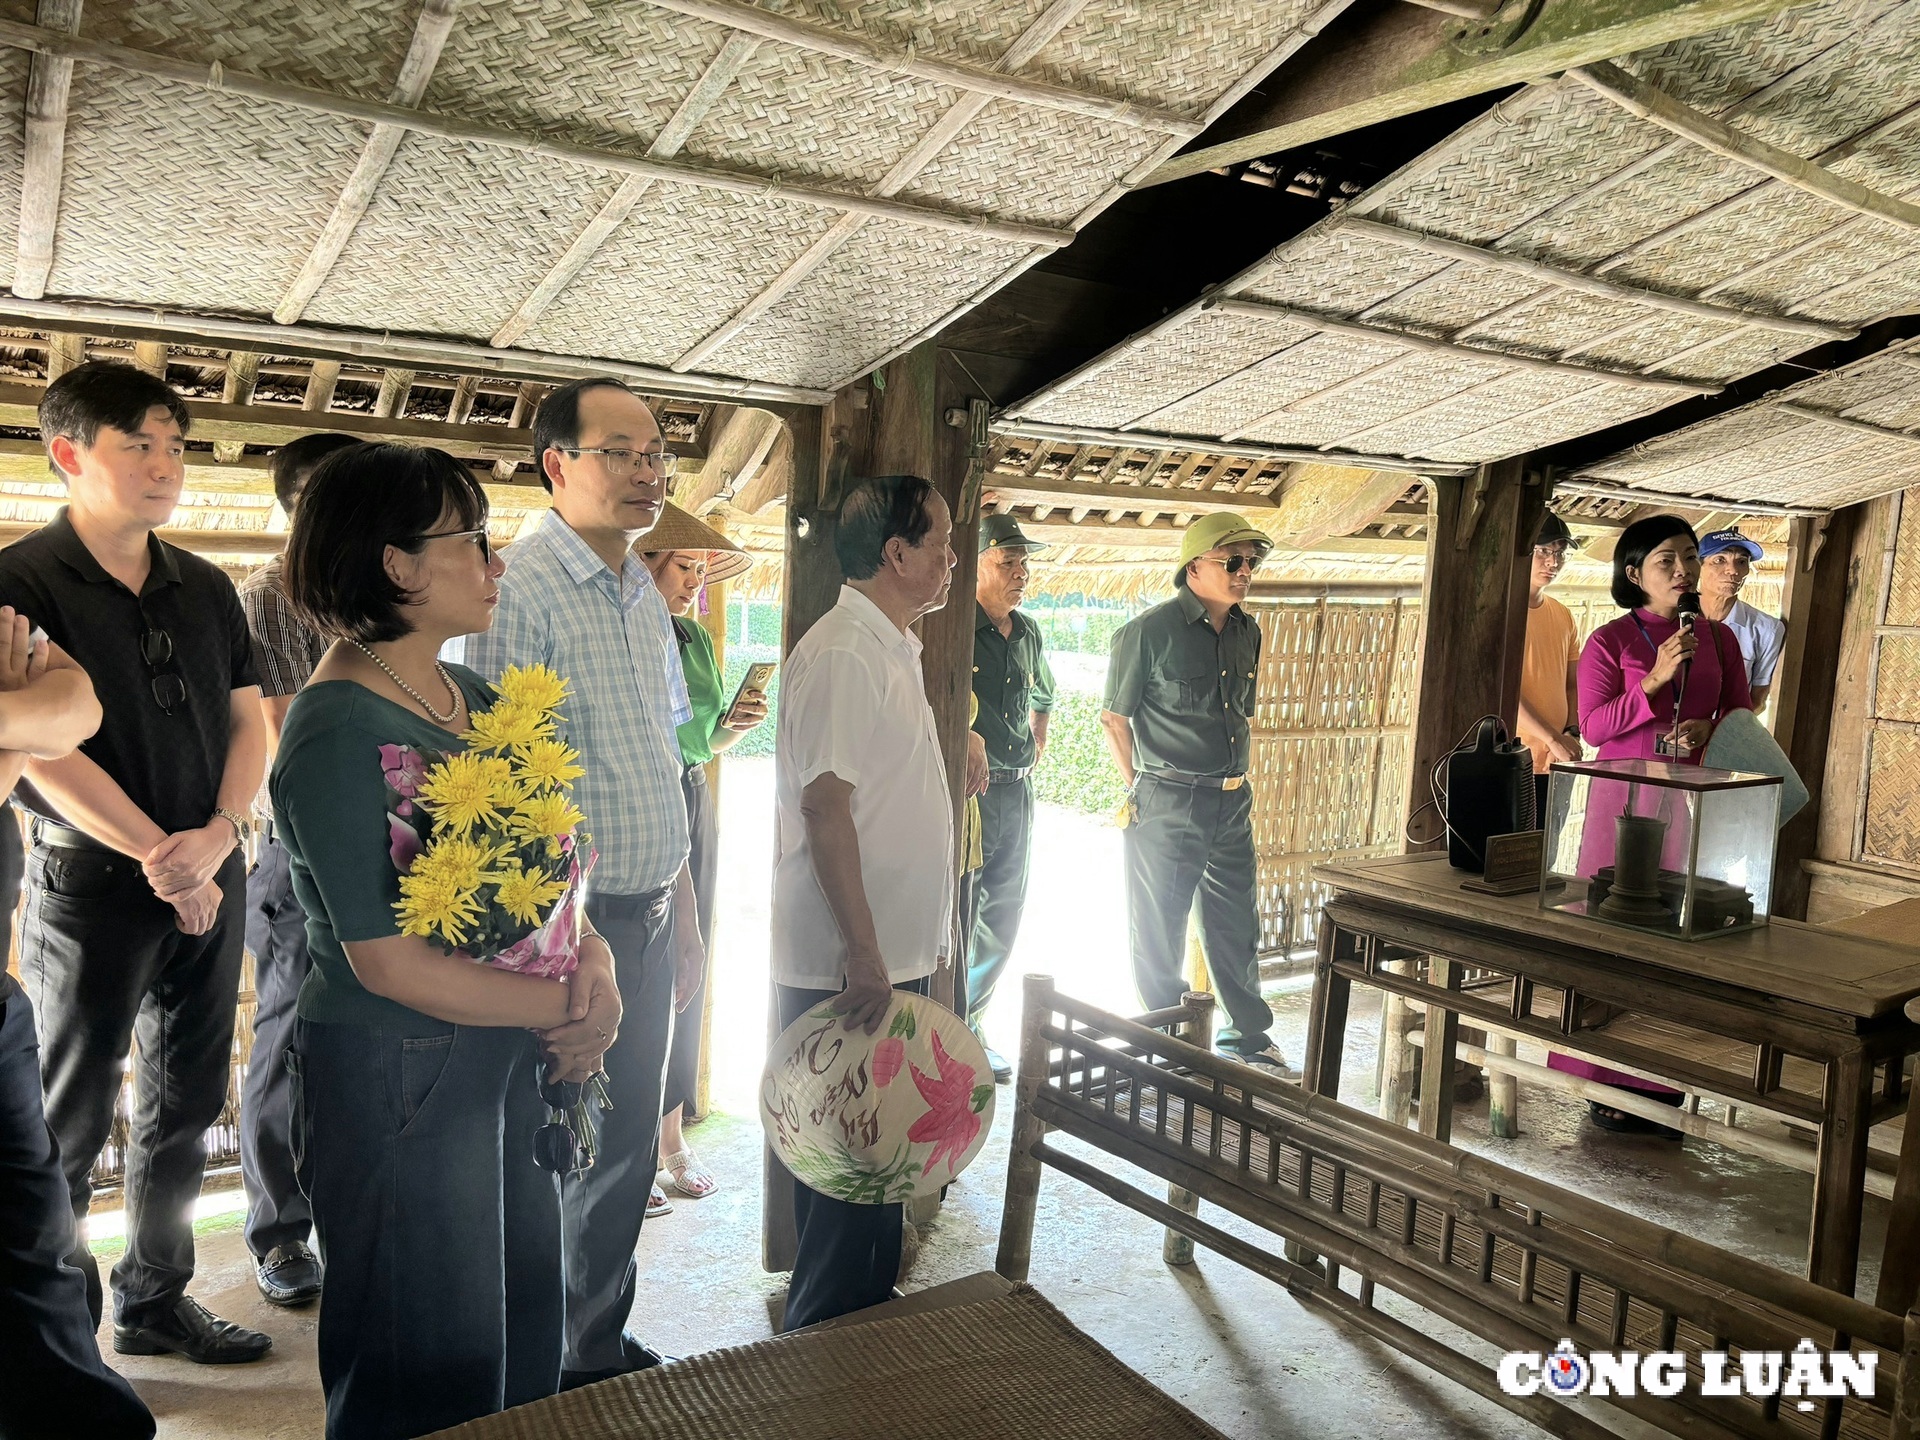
[1506,1261]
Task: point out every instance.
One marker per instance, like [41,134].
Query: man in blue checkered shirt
[576,598]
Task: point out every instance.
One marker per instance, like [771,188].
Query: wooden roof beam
[962,113]
[1260,309]
[43,169]
[429,38]
[774,480]
[1617,490]
[733,459]
[1843,422]
[1588,284]
[385,348]
[43,41]
[277,424]
[1139,439]
[708,89]
[321,381]
[236,388]
[1400,60]
[1655,106]
[989,83]
[1032,490]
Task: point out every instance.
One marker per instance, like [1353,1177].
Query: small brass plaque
[1513,864]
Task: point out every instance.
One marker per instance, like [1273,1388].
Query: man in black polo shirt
[1178,712]
[136,884]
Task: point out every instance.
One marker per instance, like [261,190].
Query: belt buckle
[1233,782]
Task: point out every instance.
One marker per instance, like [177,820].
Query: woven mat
[999,1369]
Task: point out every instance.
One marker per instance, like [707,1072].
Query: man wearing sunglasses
[136,882]
[575,597]
[1179,705]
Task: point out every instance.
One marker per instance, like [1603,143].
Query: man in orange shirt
[1549,675]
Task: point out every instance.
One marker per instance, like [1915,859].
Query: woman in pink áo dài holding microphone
[1660,662]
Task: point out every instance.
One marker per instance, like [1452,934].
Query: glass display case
[1678,850]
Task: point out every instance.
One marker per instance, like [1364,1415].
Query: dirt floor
[1234,1347]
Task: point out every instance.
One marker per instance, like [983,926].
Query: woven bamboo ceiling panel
[1559,264]
[1837,439]
[196,197]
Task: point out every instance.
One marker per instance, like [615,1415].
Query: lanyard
[1675,682]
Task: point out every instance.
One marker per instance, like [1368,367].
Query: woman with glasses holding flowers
[435,854]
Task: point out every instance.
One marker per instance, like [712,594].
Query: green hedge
[1077,771]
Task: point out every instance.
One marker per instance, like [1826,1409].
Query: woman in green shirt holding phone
[690,555]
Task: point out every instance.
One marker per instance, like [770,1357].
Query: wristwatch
[242,830]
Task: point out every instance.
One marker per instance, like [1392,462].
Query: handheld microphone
[1689,611]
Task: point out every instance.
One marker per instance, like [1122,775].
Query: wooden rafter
[1843,422]
[1588,284]
[774,480]
[1087,434]
[733,458]
[384,348]
[711,85]
[276,424]
[63,353]
[325,102]
[524,405]
[1031,490]
[1655,106]
[429,38]
[1259,309]
[151,356]
[1405,61]
[43,167]
[989,84]
[962,113]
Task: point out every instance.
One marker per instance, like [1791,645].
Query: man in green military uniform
[1179,702]
[1014,686]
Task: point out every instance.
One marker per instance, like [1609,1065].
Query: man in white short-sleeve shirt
[1726,558]
[863,887]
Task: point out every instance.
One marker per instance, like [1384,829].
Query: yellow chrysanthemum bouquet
[488,840]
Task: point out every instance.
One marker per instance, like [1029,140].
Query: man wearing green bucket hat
[1014,685]
[1178,711]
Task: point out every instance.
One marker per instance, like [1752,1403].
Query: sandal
[688,1176]
[1625,1122]
[658,1204]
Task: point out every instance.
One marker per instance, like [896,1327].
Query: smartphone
[756,678]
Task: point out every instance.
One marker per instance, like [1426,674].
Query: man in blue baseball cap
[1726,558]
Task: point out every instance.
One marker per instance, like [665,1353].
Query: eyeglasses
[622,463]
[1234,564]
[156,648]
[479,538]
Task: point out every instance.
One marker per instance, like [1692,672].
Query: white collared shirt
[1761,637]
[852,703]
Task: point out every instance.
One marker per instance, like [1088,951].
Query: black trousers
[1194,844]
[105,965]
[848,1255]
[604,1208]
[53,1383]
[442,1237]
[277,1213]
[703,863]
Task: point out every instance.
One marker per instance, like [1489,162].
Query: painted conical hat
[876,1119]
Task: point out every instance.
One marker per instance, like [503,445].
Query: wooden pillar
[1820,562]
[893,422]
[714,622]
[1473,617]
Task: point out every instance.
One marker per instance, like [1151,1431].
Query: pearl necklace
[453,691]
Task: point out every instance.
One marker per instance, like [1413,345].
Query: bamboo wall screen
[1331,731]
[1889,829]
